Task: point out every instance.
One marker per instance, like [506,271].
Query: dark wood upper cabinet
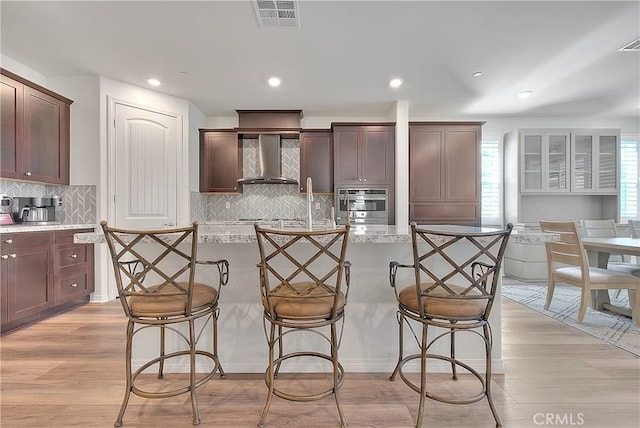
[444,173]
[220,161]
[11,119]
[364,155]
[316,160]
[35,132]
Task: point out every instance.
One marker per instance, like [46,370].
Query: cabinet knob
[28,173]
[74,256]
[364,179]
[13,256]
[74,285]
[8,241]
[5,257]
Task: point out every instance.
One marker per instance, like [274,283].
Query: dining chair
[304,285]
[567,263]
[155,272]
[634,228]
[455,280]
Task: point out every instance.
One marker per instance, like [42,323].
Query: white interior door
[146,164]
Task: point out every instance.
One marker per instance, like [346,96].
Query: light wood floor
[67,372]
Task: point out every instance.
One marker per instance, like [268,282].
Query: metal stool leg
[336,373]
[488,345]
[400,318]
[129,381]
[270,375]
[423,375]
[454,370]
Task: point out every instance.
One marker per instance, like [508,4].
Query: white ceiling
[341,58]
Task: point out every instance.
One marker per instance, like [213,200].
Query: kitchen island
[370,341]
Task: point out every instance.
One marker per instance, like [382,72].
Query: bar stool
[456,272]
[155,276]
[304,283]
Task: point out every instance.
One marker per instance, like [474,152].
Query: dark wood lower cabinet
[43,273]
[26,266]
[74,268]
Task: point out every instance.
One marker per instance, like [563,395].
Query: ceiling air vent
[633,46]
[275,13]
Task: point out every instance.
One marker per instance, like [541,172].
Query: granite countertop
[233,233]
[19,228]
[237,232]
[230,232]
[532,237]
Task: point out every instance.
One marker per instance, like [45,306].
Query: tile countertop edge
[44,227]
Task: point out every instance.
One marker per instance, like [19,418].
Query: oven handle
[348,197]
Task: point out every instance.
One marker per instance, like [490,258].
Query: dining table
[604,247]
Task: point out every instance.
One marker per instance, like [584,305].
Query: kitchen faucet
[309,200]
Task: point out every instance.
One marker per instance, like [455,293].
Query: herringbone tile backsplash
[262,200]
[78,202]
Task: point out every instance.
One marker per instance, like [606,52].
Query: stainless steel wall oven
[362,206]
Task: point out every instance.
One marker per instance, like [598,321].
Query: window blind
[491,184]
[629,154]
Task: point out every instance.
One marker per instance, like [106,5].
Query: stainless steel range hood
[270,157]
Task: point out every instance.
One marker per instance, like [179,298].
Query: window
[629,160]
[491,184]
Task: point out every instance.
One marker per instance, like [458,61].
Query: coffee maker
[35,210]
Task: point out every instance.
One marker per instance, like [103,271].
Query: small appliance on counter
[35,209]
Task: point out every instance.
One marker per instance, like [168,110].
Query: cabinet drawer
[66,236]
[71,255]
[71,283]
[441,213]
[12,242]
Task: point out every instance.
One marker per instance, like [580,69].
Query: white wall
[85,117]
[23,71]
[196,121]
[503,125]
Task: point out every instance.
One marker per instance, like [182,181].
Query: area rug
[615,329]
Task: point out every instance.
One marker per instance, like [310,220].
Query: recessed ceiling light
[524,94]
[395,83]
[274,82]
[477,74]
[153,82]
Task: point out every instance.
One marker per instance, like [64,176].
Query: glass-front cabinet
[544,161]
[594,161]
